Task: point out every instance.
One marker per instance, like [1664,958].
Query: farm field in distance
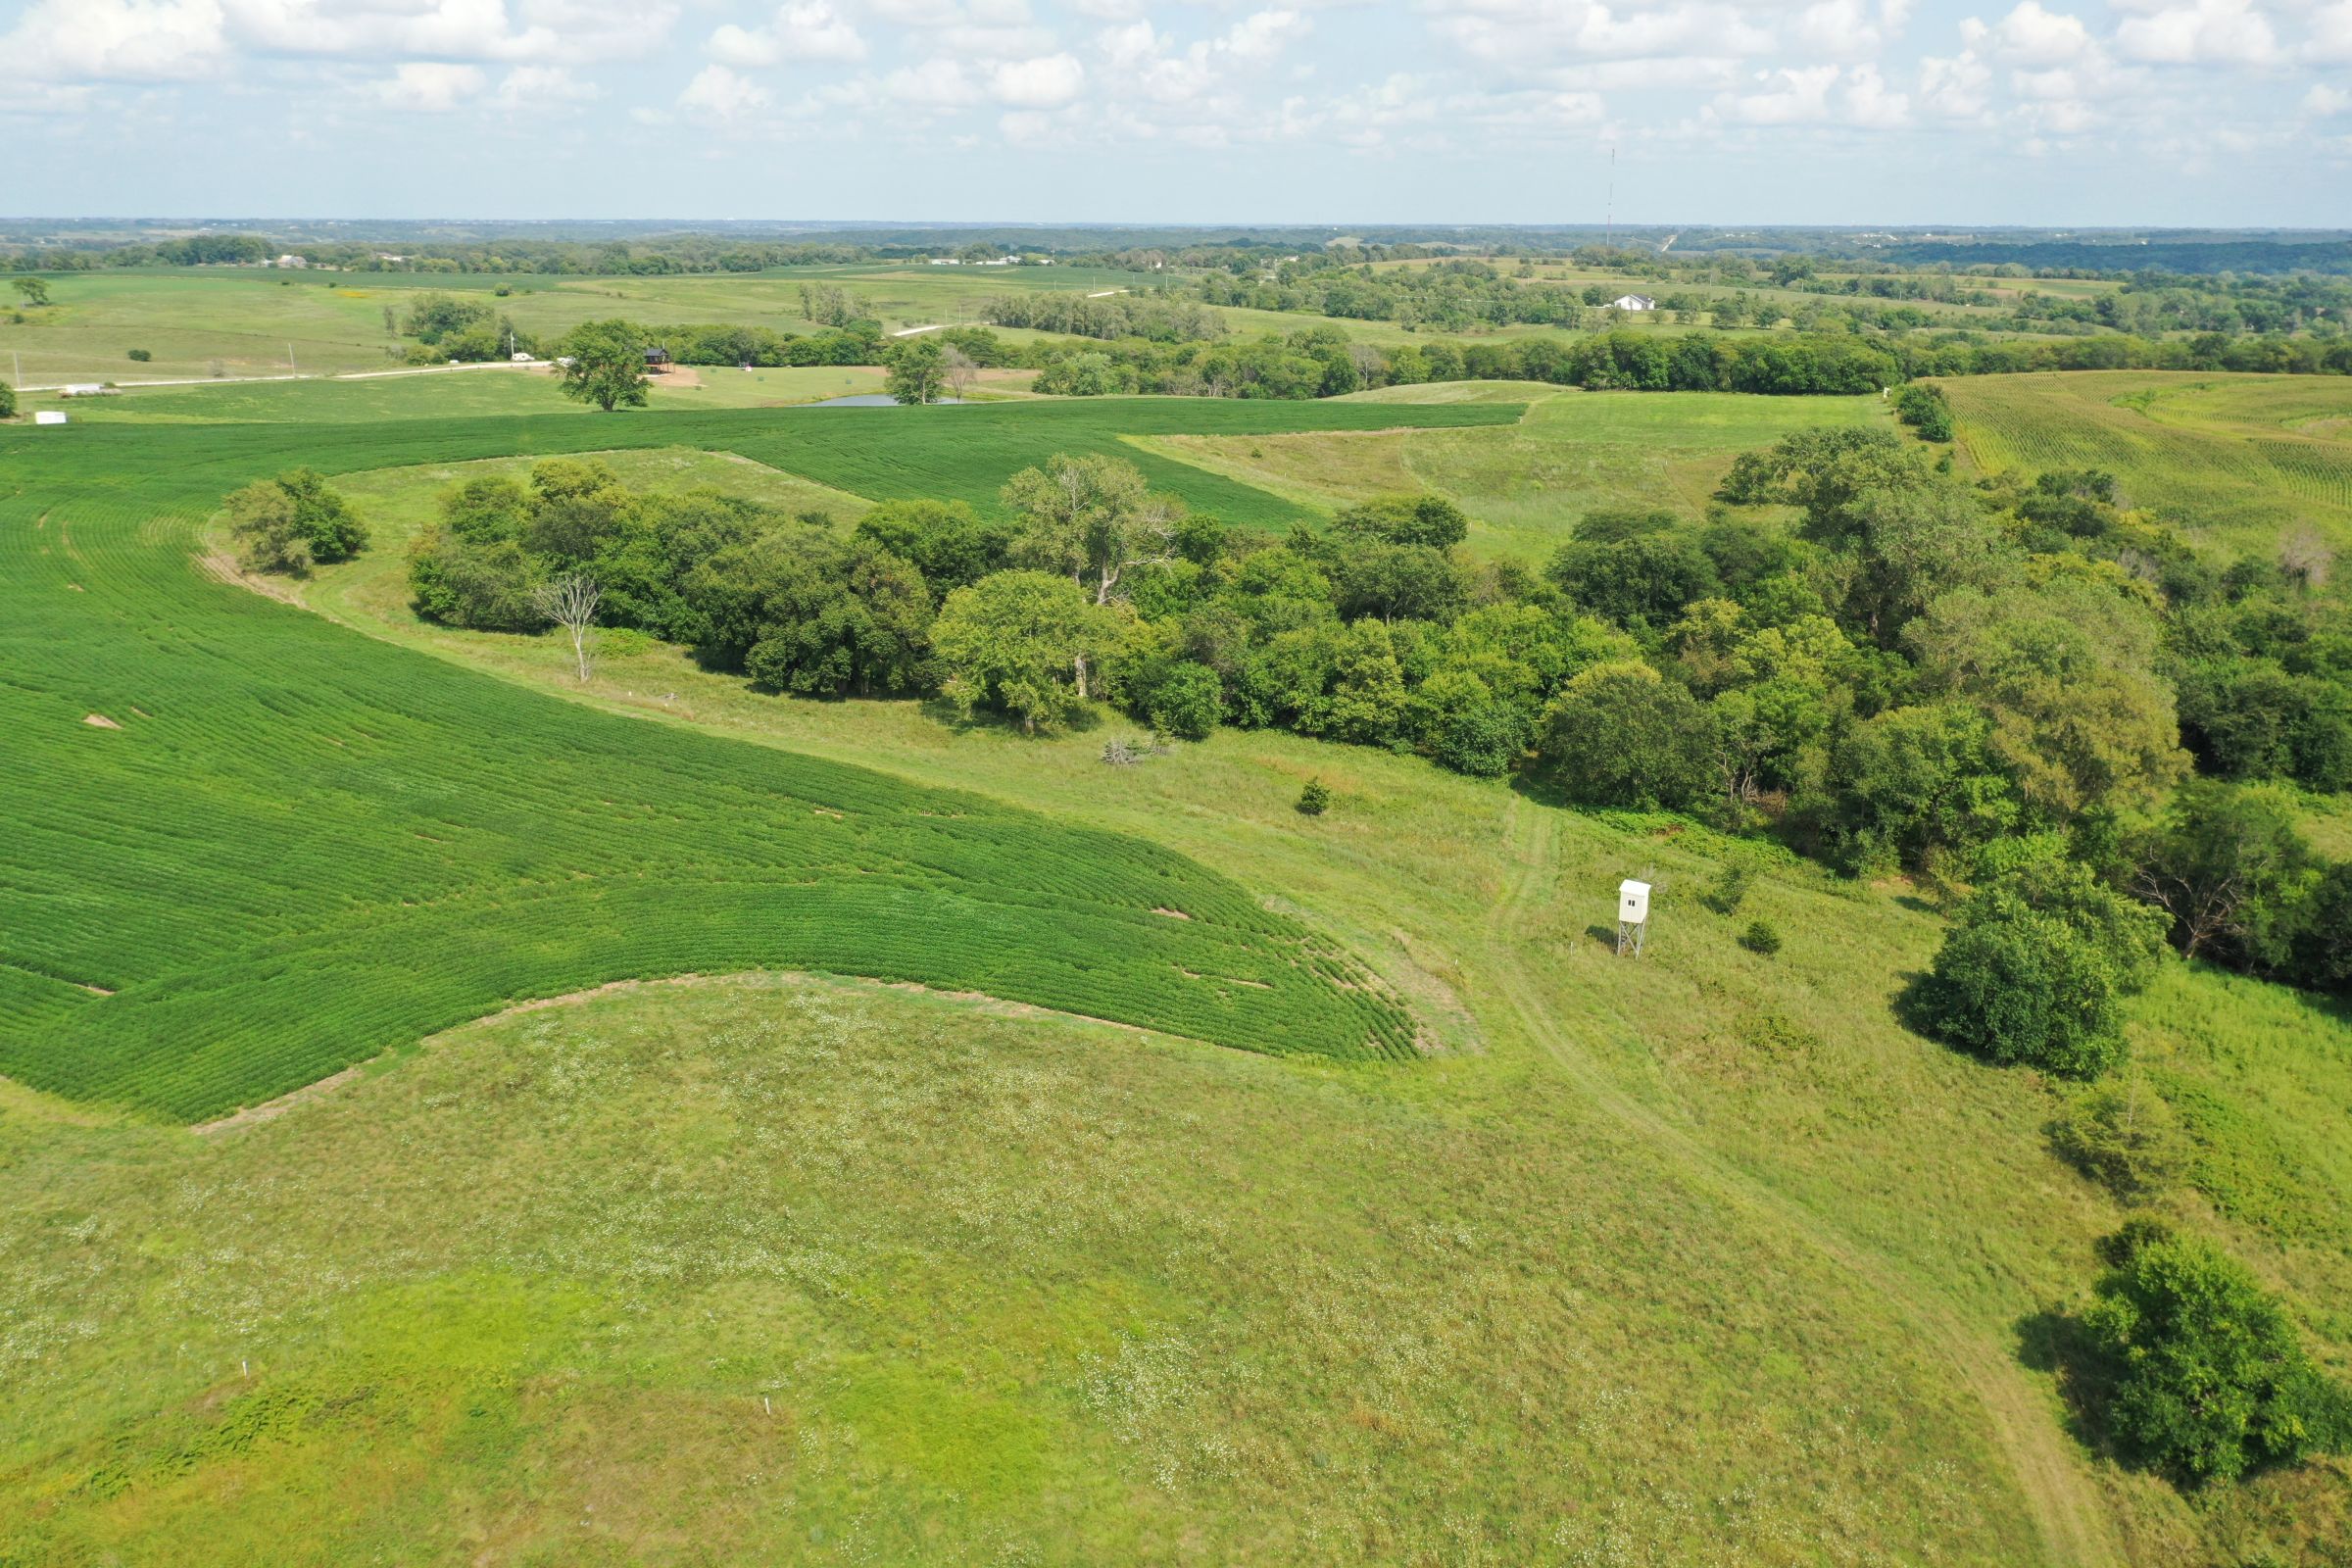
[1521,482]
[1337,904]
[248,322]
[2241,459]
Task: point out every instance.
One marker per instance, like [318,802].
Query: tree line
[1951,678]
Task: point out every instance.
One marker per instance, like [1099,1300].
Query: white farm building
[1632,302]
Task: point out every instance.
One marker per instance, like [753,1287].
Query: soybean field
[250,848]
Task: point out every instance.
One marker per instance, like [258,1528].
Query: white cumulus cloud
[1792,96]
[935,84]
[116,41]
[431,87]
[542,87]
[1264,34]
[2033,37]
[2205,33]
[1047,82]
[1868,100]
[718,92]
[2331,39]
[809,29]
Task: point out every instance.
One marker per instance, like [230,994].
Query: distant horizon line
[846,224]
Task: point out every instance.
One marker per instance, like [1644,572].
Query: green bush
[1187,703]
[1315,798]
[2128,1139]
[2036,968]
[261,520]
[322,517]
[142,356]
[2206,1375]
[1730,888]
[1761,937]
[1924,409]
[1621,735]
[7,401]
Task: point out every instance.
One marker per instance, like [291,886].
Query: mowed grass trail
[1776,1098]
[2237,459]
[1696,1260]
[249,848]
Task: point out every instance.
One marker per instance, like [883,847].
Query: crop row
[285,848]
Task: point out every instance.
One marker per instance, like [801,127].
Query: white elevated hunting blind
[1633,917]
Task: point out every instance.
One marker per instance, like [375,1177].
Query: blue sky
[2081,112]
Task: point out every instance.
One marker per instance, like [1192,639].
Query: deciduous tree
[607,364]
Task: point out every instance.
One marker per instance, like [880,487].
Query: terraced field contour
[249,848]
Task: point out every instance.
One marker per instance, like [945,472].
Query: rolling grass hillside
[285,849]
[2239,460]
[1696,1260]
[1525,484]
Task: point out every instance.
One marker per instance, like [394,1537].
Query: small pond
[868,399]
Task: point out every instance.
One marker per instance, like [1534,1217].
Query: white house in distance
[1632,302]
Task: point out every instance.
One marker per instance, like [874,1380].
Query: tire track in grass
[2075,1525]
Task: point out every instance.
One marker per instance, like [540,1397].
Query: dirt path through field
[2074,1522]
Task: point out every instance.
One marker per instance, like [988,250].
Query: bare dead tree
[961,369]
[570,602]
[2203,906]
[2305,555]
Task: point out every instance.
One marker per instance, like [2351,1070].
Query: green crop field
[1488,1248]
[2241,459]
[261,880]
[472,390]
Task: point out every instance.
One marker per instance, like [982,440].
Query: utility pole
[1608,218]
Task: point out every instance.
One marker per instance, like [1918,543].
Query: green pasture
[399,502]
[1525,484]
[237,322]
[1701,1260]
[2242,460]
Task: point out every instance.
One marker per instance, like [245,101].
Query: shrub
[1187,703]
[1315,798]
[260,518]
[1729,889]
[2037,969]
[1761,937]
[2128,1140]
[1924,409]
[7,401]
[322,517]
[485,585]
[142,356]
[2208,1376]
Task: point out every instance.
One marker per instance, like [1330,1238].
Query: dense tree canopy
[607,364]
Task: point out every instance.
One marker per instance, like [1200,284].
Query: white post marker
[1633,915]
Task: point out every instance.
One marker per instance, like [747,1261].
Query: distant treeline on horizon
[578,247]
